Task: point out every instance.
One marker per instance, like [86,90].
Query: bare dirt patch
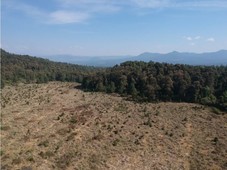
[56,126]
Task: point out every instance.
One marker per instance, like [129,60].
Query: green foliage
[1,152]
[216,111]
[111,88]
[100,87]
[132,89]
[163,82]
[224,97]
[211,99]
[27,69]
[140,80]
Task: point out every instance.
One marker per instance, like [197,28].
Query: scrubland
[58,126]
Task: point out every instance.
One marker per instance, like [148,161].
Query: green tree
[132,89]
[123,84]
[111,88]
[224,97]
[100,86]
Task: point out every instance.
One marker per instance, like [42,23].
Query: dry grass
[56,126]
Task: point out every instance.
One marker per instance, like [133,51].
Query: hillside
[58,126]
[23,68]
[208,58]
[154,82]
[141,81]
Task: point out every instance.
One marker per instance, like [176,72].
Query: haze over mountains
[208,58]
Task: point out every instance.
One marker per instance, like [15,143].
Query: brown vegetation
[56,126]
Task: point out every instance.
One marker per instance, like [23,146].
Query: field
[58,126]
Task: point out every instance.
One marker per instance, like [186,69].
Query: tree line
[141,81]
[23,68]
[155,82]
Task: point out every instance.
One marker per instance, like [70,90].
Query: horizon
[122,56]
[112,28]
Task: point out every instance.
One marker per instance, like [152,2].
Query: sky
[112,27]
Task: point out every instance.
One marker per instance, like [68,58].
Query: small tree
[111,88]
[100,86]
[224,97]
[132,89]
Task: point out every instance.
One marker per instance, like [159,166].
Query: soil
[58,126]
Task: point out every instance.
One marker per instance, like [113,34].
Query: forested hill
[24,68]
[140,81]
[163,82]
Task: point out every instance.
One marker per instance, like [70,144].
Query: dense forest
[140,81]
[23,68]
[155,82]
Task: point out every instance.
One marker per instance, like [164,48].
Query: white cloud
[76,11]
[186,4]
[197,37]
[91,5]
[152,3]
[189,38]
[67,11]
[25,8]
[211,39]
[64,17]
[51,17]
[200,4]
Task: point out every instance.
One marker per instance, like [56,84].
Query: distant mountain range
[209,58]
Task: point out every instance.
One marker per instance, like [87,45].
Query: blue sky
[112,27]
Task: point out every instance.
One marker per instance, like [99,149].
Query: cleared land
[57,126]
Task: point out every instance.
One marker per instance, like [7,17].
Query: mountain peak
[174,52]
